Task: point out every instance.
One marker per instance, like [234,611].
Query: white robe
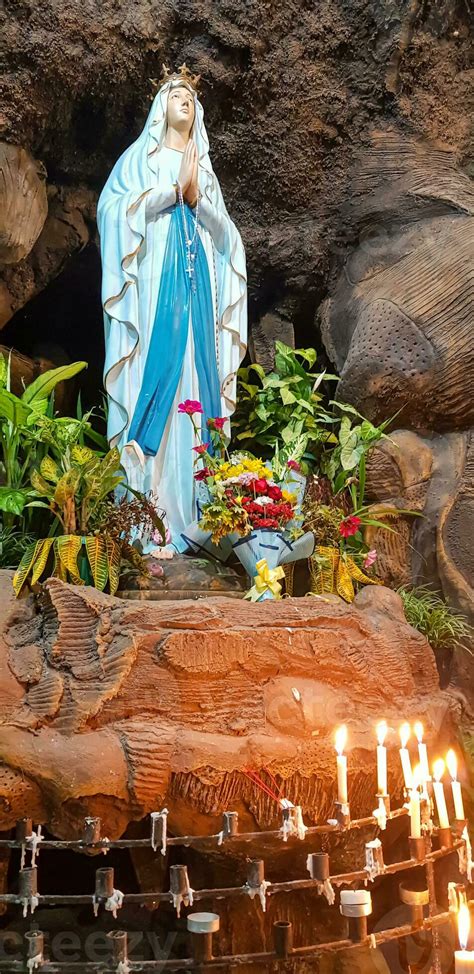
[134,214]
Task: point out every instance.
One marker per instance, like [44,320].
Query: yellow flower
[287,496]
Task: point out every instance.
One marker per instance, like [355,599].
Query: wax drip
[260,891]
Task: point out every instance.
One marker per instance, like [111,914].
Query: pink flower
[202,474]
[350,525]
[202,448]
[294,465]
[217,423]
[370,558]
[190,406]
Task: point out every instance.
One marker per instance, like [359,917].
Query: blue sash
[177,301]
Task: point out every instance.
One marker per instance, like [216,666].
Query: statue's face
[180,114]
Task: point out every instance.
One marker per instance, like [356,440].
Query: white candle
[438,772]
[381,758]
[414,808]
[341,740]
[451,761]
[405,756]
[422,753]
[464,959]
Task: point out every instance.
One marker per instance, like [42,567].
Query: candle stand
[416,899]
[354,904]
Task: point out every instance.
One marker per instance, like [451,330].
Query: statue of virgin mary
[174,299]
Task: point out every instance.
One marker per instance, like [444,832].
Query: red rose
[202,448]
[202,474]
[260,486]
[350,525]
[190,406]
[266,522]
[217,423]
[274,492]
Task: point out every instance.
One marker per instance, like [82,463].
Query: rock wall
[291,92]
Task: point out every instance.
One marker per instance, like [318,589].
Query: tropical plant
[76,488]
[283,410]
[344,462]
[13,544]
[22,419]
[428,612]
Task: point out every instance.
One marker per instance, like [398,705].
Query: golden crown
[182,74]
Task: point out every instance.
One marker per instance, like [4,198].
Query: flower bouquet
[247,509]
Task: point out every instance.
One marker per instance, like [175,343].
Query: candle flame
[405,731]
[419,731]
[452,762]
[438,769]
[464,923]
[381,731]
[341,738]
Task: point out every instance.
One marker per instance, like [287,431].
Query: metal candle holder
[318,865]
[35,946]
[91,831]
[104,884]
[119,943]
[230,824]
[179,881]
[417,847]
[416,899]
[283,938]
[24,829]
[356,906]
[445,838]
[28,882]
[201,926]
[343,814]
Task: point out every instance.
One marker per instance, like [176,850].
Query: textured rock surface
[291,92]
[434,477]
[23,203]
[114,708]
[398,323]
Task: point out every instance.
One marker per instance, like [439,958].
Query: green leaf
[114,562]
[13,409]
[46,382]
[287,397]
[3,372]
[40,484]
[345,408]
[350,456]
[261,412]
[68,547]
[41,559]
[12,501]
[50,470]
[97,554]
[24,567]
[82,455]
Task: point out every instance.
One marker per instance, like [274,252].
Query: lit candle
[405,756]
[464,958]
[381,758]
[422,753]
[451,761]
[438,772]
[414,808]
[340,741]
